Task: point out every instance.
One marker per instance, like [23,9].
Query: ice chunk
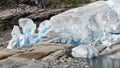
[19,39]
[15,36]
[12,43]
[28,26]
[15,31]
[85,51]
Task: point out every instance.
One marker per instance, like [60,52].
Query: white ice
[85,51]
[79,26]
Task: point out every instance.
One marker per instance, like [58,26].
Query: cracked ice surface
[79,26]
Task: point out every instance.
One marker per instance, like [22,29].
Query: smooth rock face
[4,53]
[45,52]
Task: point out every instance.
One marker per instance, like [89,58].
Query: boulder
[85,51]
[45,52]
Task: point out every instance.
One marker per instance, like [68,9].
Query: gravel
[68,62]
[27,63]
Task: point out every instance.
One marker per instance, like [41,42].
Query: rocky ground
[49,55]
[26,63]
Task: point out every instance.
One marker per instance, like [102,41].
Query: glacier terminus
[81,26]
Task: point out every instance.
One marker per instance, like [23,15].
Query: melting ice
[79,26]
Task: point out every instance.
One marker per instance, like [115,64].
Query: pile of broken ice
[79,26]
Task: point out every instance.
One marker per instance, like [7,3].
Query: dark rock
[47,14]
[1,44]
[9,17]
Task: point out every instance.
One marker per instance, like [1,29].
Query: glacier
[78,26]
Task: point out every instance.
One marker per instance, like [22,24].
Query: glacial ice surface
[79,26]
[85,51]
